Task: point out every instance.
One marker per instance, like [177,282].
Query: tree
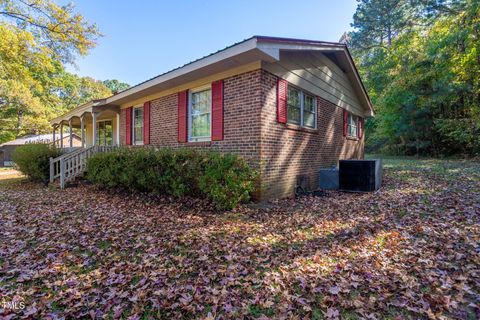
[75,90]
[425,83]
[55,27]
[24,74]
[433,9]
[116,86]
[378,22]
[37,39]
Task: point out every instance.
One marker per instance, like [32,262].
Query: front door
[104,133]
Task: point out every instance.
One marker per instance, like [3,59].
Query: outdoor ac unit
[328,178]
[360,175]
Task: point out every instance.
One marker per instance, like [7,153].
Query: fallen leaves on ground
[408,251]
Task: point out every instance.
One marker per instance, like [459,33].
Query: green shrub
[226,180]
[33,160]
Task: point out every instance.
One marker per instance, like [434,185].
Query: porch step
[68,166]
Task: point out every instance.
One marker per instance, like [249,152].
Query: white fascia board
[77,112]
[273,50]
[219,56]
[357,77]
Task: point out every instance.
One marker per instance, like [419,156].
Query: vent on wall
[302,184]
[360,175]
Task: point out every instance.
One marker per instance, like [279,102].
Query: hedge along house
[289,106]
[7,149]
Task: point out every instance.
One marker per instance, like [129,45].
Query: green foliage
[62,31]
[463,134]
[33,160]
[379,21]
[25,70]
[37,40]
[226,180]
[425,82]
[116,86]
[74,90]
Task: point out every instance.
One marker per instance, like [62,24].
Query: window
[352,129]
[137,125]
[104,133]
[199,115]
[301,108]
[294,112]
[309,111]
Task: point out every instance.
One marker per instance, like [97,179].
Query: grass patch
[234,217]
[179,250]
[104,245]
[11,180]
[257,311]
[269,239]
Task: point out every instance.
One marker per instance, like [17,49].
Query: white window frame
[134,142]
[302,107]
[353,124]
[189,114]
[97,130]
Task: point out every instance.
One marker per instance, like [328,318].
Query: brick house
[289,106]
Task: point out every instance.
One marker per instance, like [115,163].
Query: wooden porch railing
[66,150]
[70,165]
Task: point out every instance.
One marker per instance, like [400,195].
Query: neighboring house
[289,106]
[6,149]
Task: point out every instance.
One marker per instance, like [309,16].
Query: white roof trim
[78,111]
[273,49]
[269,47]
[222,55]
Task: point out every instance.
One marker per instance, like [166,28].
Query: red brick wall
[287,151]
[251,130]
[163,121]
[242,96]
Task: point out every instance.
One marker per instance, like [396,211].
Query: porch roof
[94,106]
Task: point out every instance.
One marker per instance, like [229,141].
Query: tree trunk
[389,35]
[18,125]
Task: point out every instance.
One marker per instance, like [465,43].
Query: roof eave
[228,53]
[261,48]
[286,44]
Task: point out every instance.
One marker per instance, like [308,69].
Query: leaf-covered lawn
[411,250]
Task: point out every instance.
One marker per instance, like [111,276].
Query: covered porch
[95,122]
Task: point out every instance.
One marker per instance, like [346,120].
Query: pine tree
[378,22]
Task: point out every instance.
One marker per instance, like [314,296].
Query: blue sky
[145,38]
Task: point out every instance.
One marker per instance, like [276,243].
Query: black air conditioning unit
[360,175]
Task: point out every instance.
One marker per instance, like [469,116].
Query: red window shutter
[282,92]
[217,110]
[128,126]
[345,122]
[146,122]
[360,128]
[182,115]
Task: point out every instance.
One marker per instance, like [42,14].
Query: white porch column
[61,134]
[82,130]
[54,142]
[117,126]
[94,128]
[71,133]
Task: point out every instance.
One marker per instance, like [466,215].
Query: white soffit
[257,48]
